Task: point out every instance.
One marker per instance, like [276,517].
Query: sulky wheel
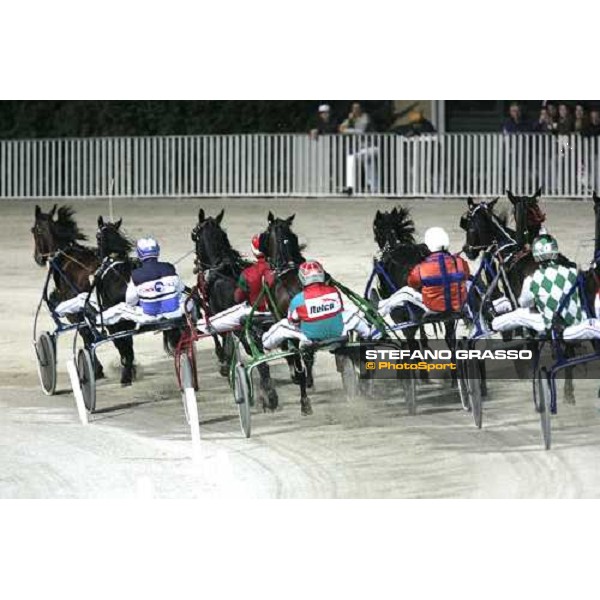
[241,392]
[474,387]
[544,405]
[350,379]
[87,378]
[46,362]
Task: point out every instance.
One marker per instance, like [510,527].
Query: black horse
[57,239]
[284,253]
[221,266]
[394,233]
[484,227]
[111,284]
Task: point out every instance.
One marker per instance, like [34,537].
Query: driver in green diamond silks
[543,292]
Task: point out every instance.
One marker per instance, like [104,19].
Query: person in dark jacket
[515,122]
[325,124]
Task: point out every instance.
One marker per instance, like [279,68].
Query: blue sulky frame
[544,377]
[468,374]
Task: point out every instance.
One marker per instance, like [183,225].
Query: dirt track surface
[138,444]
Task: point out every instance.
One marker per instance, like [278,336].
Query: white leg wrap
[399,298]
[586,330]
[354,321]
[522,317]
[281,331]
[226,320]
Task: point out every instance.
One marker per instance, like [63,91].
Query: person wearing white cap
[358,123]
[325,122]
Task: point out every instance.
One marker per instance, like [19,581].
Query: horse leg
[300,369]
[221,351]
[267,393]
[569,386]
[413,346]
[88,339]
[450,337]
[125,349]
[227,357]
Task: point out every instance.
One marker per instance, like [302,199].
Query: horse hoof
[570,400]
[273,400]
[305,407]
[224,371]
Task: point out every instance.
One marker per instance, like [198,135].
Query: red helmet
[255,245]
[311,272]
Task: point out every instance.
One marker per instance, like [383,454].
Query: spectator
[325,122]
[544,123]
[593,127]
[581,122]
[515,122]
[357,121]
[565,120]
[418,124]
[552,113]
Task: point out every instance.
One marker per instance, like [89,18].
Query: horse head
[212,243]
[393,228]
[45,243]
[528,216]
[282,246]
[110,240]
[482,227]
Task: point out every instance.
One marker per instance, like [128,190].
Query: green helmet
[545,247]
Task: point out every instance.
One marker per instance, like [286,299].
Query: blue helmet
[147,248]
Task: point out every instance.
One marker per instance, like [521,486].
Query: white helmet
[436,239]
[147,248]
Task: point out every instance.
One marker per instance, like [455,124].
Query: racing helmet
[544,247]
[436,239]
[311,272]
[256,245]
[147,248]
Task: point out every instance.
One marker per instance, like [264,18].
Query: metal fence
[444,165]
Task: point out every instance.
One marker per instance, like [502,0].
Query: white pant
[586,330]
[284,330]
[521,317]
[401,297]
[226,320]
[353,162]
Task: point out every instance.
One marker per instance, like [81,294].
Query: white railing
[445,165]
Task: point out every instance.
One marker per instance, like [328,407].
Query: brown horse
[56,243]
[284,253]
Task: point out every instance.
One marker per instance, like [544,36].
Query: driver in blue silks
[155,286]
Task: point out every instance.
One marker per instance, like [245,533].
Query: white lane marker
[194,422]
[74,377]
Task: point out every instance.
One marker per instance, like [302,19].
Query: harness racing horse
[484,228]
[112,278]
[394,234]
[284,254]
[56,243]
[220,266]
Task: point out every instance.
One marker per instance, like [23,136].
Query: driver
[543,291]
[155,286]
[246,293]
[437,284]
[316,313]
